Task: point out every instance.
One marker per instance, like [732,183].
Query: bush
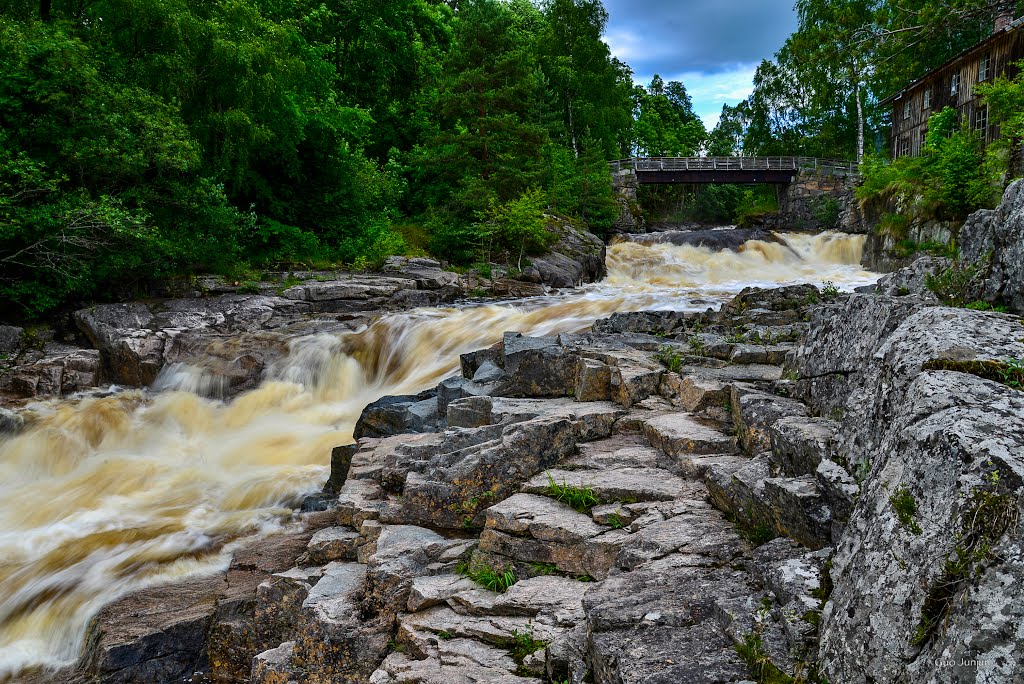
[952,178]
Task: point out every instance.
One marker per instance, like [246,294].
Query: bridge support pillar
[817,201]
[631,218]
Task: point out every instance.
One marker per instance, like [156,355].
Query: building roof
[1013,26]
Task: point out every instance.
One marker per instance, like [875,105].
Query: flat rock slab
[620,484]
[618,451]
[678,433]
[542,518]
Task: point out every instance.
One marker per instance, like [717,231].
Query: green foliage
[671,358]
[524,644]
[952,177]
[756,203]
[143,139]
[494,579]
[581,499]
[827,210]
[954,285]
[987,515]
[829,290]
[985,306]
[905,506]
[753,653]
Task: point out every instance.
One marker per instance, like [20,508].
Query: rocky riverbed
[669,498]
[803,486]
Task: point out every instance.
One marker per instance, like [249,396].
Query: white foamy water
[105,495]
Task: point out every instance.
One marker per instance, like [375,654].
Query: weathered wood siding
[909,125]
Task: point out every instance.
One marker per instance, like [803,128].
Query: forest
[148,138]
[142,139]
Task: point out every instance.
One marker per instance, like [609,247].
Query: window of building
[954,84]
[985,67]
[924,139]
[906,109]
[928,97]
[904,149]
[981,119]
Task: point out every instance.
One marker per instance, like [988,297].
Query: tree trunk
[44,9]
[860,120]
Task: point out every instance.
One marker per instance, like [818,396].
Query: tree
[666,125]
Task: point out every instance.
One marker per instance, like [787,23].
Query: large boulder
[576,257]
[995,242]
[923,571]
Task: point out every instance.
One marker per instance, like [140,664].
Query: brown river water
[103,495]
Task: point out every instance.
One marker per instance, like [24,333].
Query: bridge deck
[778,170]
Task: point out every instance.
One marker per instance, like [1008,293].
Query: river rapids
[103,495]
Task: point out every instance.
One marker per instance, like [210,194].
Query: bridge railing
[828,166]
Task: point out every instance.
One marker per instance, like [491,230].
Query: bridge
[732,170]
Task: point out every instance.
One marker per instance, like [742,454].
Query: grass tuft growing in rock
[582,499]
[905,506]
[670,358]
[766,672]
[524,644]
[1009,372]
[954,284]
[489,577]
[987,516]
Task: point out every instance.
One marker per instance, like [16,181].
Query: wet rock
[577,257]
[399,415]
[472,361]
[488,372]
[471,412]
[927,443]
[840,345]
[401,553]
[537,367]
[658,625]
[535,529]
[457,485]
[799,509]
[10,339]
[593,380]
[274,666]
[341,464]
[913,279]
[433,590]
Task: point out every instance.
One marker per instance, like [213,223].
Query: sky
[712,46]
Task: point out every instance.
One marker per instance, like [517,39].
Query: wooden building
[953,85]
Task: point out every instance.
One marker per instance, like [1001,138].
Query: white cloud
[710,90]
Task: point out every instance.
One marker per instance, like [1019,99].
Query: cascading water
[104,495]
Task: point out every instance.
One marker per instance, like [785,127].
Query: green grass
[670,358]
[764,671]
[697,345]
[905,506]
[494,579]
[985,306]
[582,499]
[524,644]
[544,568]
[1009,372]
